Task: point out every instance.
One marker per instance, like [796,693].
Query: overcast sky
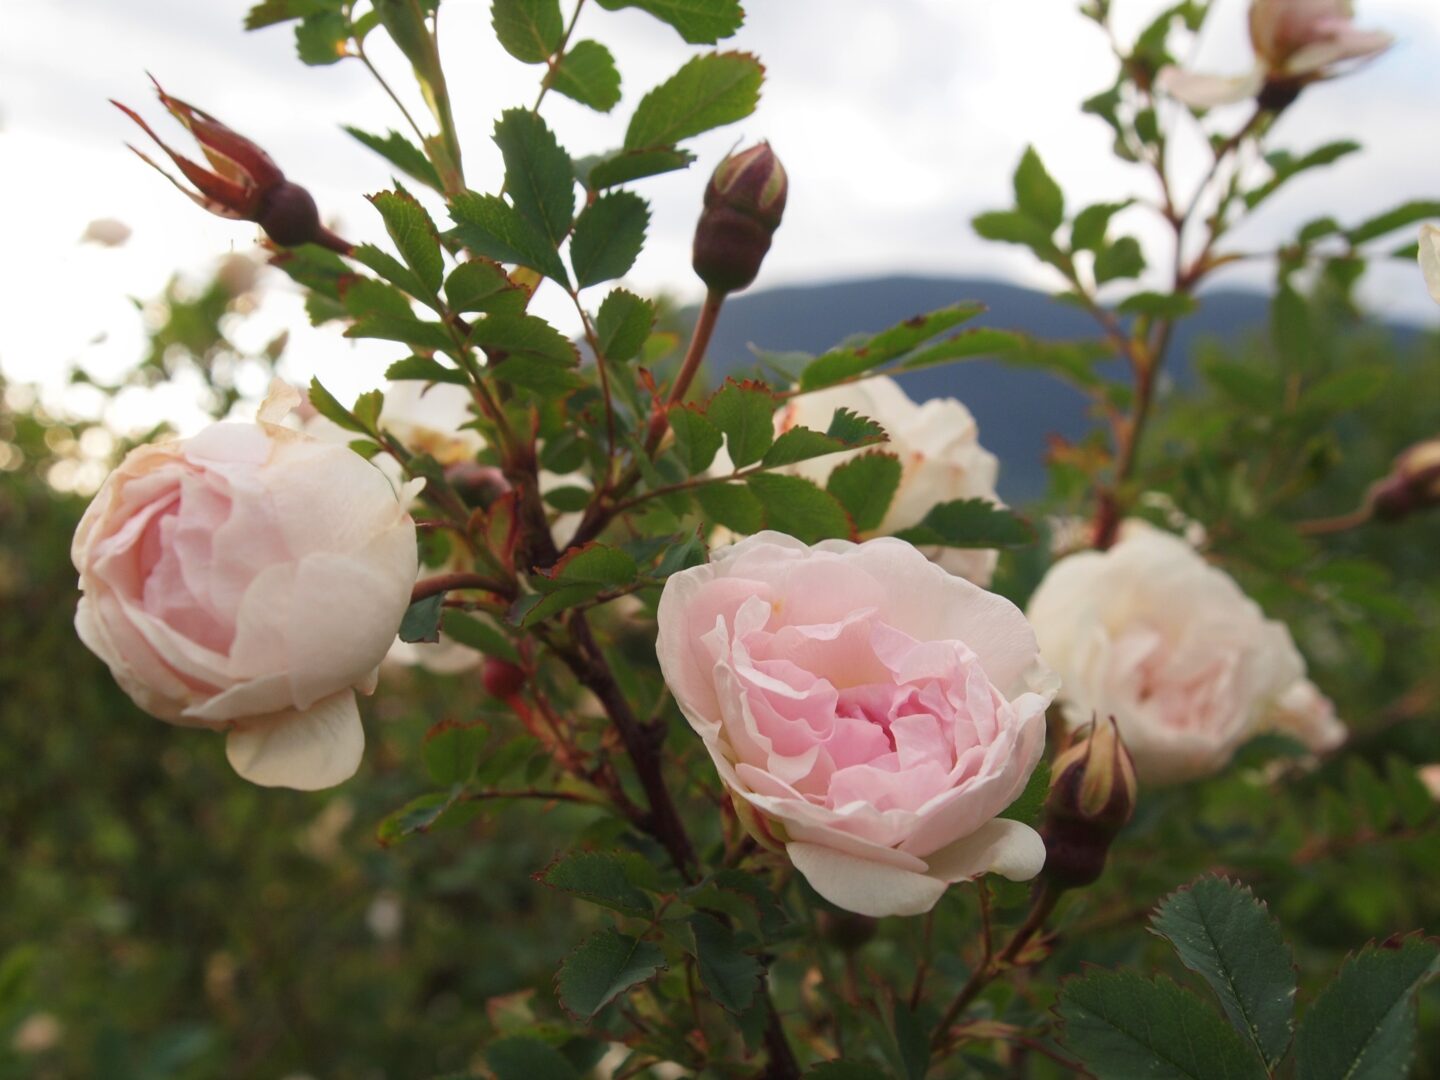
[897,122]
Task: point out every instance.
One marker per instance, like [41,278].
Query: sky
[896,121]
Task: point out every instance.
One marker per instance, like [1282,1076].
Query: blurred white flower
[106,232]
[1430,258]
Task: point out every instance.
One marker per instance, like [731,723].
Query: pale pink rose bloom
[1430,258]
[107,232]
[249,580]
[1308,716]
[1152,634]
[869,711]
[1430,777]
[937,442]
[1295,41]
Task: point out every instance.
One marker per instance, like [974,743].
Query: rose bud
[243,183]
[479,485]
[501,678]
[744,202]
[1092,796]
[1413,483]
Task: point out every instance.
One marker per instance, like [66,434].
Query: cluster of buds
[1412,484]
[242,183]
[744,203]
[1092,796]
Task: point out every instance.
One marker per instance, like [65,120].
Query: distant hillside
[1017,410]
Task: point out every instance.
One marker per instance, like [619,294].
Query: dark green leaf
[1226,936]
[604,966]
[1290,324]
[800,444]
[529,30]
[524,335]
[270,12]
[1088,231]
[593,564]
[543,377]
[1362,1026]
[521,1057]
[403,154]
[489,226]
[854,430]
[622,325]
[482,285]
[539,175]
[414,235]
[622,166]
[697,440]
[614,880]
[1407,214]
[1121,1025]
[418,815]
[847,361]
[733,505]
[322,39]
[745,413]
[477,634]
[1011,227]
[969,523]
[416,333]
[865,486]
[587,74]
[731,975]
[422,619]
[451,752]
[796,506]
[1286,167]
[327,406]
[965,345]
[367,408]
[1157,305]
[1122,259]
[393,271]
[570,499]
[700,22]
[912,1041]
[608,236]
[708,92]
[1036,193]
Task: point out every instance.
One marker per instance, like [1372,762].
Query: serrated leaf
[482,285]
[699,22]
[451,752]
[422,620]
[604,966]
[477,634]
[524,335]
[325,403]
[622,325]
[522,1057]
[697,440]
[854,430]
[1224,935]
[593,564]
[1122,259]
[969,523]
[622,166]
[731,975]
[1119,1024]
[489,226]
[542,377]
[416,333]
[800,444]
[608,236]
[732,505]
[270,12]
[614,880]
[587,74]
[966,345]
[402,153]
[322,39]
[529,30]
[418,815]
[847,361]
[1036,193]
[796,506]
[1362,1026]
[414,235]
[865,486]
[745,413]
[708,92]
[367,408]
[539,175]
[393,271]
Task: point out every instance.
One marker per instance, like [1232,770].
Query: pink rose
[248,580]
[873,712]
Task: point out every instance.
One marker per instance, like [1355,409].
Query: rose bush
[249,580]
[1188,665]
[875,713]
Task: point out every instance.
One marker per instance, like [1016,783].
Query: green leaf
[524,335]
[731,975]
[1226,936]
[912,1041]
[708,92]
[1122,259]
[1286,167]
[587,74]
[1012,227]
[732,505]
[608,236]
[542,377]
[966,345]
[622,325]
[1406,214]
[614,880]
[1036,193]
[593,564]
[1087,233]
[848,361]
[489,226]
[745,413]
[270,12]
[482,285]
[622,166]
[700,22]
[422,620]
[854,430]
[1121,1025]
[1362,1026]
[604,966]
[1157,305]
[418,815]
[539,175]
[796,506]
[865,486]
[529,30]
[800,444]
[361,296]
[402,153]
[1027,807]
[367,408]
[414,235]
[697,440]
[570,499]
[522,1057]
[322,39]
[969,523]
[477,634]
[451,751]
[416,333]
[327,406]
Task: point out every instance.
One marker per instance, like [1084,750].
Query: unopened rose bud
[501,678]
[1412,485]
[479,485]
[1092,796]
[744,203]
[242,183]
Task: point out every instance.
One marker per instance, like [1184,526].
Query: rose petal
[1203,91]
[1000,846]
[306,750]
[862,886]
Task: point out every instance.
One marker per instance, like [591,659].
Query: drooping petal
[1200,90]
[306,750]
[864,886]
[1011,849]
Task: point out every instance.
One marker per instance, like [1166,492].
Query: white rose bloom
[1151,633]
[937,442]
[1430,258]
[1308,716]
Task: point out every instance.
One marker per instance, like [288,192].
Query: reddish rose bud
[501,678]
[479,485]
[1413,483]
[1092,796]
[242,183]
[744,203]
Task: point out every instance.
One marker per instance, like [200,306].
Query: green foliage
[710,91]
[530,30]
[969,523]
[608,236]
[538,174]
[489,226]
[731,975]
[700,22]
[402,153]
[622,325]
[743,411]
[865,486]
[604,966]
[587,74]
